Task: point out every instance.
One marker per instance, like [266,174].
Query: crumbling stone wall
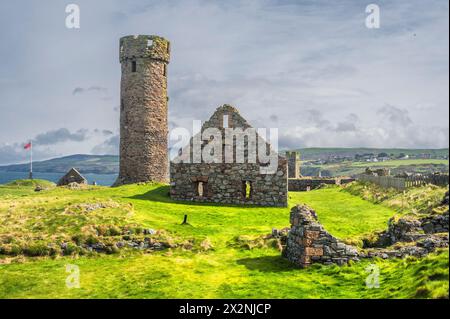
[306,183]
[410,229]
[143,109]
[378,171]
[228,183]
[308,242]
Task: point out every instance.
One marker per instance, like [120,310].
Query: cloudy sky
[310,68]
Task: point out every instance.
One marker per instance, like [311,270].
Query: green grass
[346,216]
[316,151]
[223,274]
[402,162]
[31,183]
[225,271]
[350,168]
[414,201]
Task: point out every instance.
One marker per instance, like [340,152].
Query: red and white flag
[27,146]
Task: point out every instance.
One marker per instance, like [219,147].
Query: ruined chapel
[229,182]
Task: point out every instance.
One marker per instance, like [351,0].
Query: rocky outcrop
[409,229]
[308,242]
[419,248]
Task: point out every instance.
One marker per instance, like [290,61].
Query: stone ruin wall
[143,110]
[224,183]
[298,183]
[308,242]
[306,184]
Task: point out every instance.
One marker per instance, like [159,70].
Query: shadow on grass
[161,194]
[267,264]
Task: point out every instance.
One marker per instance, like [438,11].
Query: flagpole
[31,160]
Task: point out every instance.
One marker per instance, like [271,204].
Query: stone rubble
[308,242]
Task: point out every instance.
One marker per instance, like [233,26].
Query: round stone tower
[143,109]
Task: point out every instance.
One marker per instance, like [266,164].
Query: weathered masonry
[305,184]
[225,182]
[143,109]
[293,159]
[308,242]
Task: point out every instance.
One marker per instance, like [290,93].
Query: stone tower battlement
[144,46]
[143,109]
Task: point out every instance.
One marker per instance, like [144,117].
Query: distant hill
[323,153]
[96,164]
[109,164]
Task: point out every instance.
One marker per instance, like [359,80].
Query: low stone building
[72,176]
[245,180]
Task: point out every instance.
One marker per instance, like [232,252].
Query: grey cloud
[108,147]
[15,153]
[316,117]
[290,142]
[277,57]
[60,135]
[103,132]
[395,115]
[345,127]
[107,132]
[349,124]
[81,90]
[392,128]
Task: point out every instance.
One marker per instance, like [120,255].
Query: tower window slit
[133,66]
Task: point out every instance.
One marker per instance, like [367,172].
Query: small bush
[36,250]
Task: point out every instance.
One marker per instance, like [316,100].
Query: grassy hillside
[97,164]
[109,164]
[424,166]
[396,163]
[208,263]
[418,201]
[318,152]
